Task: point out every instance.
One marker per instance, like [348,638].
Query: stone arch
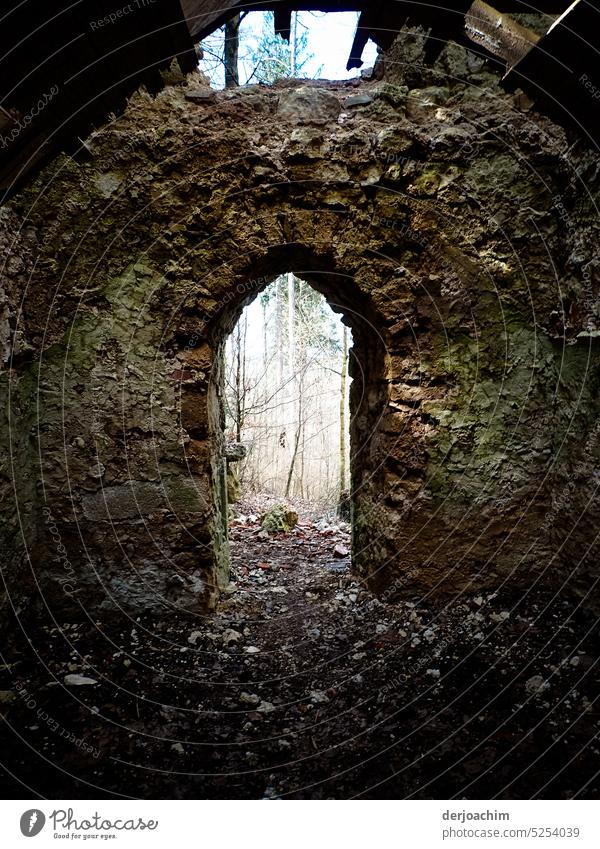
[201,358]
[487,373]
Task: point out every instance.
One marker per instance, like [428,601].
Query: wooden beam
[561,72]
[283,22]
[498,33]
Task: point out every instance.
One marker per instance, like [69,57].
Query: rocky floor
[303,685]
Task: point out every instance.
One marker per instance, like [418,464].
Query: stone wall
[453,228]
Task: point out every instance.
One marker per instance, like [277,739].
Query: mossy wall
[455,231]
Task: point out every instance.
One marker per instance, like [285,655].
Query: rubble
[309,689]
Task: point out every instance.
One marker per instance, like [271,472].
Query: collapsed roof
[65,68]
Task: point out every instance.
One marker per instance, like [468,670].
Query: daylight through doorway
[287,415]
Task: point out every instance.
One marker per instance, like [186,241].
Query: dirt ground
[303,685]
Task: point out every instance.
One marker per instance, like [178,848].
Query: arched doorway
[203,414]
[286,402]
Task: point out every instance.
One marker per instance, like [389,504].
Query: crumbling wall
[19,422]
[452,226]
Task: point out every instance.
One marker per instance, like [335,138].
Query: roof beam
[561,71]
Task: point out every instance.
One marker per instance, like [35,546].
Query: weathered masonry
[454,230]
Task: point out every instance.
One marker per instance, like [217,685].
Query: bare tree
[281,402]
[343,391]
[243,55]
[232,52]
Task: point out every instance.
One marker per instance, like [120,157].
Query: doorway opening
[333,322]
[286,399]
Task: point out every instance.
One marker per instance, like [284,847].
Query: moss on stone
[279,519]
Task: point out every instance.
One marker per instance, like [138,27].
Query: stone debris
[358,100]
[74,680]
[319,697]
[326,667]
[231,636]
[500,617]
[206,95]
[308,105]
[536,685]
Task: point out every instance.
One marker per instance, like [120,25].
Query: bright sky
[254,313]
[330,37]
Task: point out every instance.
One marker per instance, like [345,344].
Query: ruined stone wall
[453,227]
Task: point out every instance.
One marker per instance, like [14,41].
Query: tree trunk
[294,45]
[279,332]
[343,391]
[291,320]
[243,386]
[265,341]
[302,456]
[238,387]
[280,413]
[296,446]
[232,50]
[291,340]
[297,367]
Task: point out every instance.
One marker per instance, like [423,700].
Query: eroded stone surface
[306,105]
[455,232]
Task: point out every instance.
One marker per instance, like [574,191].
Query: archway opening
[286,399]
[301,440]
